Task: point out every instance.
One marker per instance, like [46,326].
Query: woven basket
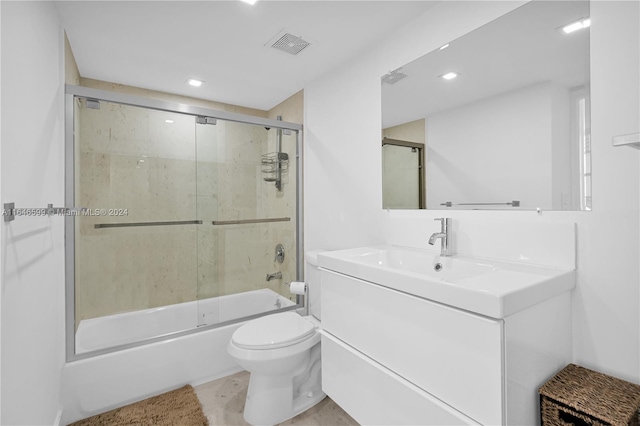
[579,396]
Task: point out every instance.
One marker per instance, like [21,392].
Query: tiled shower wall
[181,171]
[122,162]
[237,258]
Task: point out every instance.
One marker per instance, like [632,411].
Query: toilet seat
[273,332]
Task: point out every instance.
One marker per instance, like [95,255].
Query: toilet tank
[312,279]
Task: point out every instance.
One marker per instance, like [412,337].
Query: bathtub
[119,329]
[100,383]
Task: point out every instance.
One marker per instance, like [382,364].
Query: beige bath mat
[178,407]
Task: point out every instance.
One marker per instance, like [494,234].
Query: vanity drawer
[373,395]
[453,355]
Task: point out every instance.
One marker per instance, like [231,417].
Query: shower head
[392,77]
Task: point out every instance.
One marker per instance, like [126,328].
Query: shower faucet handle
[279,254]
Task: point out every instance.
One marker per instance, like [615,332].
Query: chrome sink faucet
[444,235]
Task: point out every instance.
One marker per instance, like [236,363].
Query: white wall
[1,251]
[471,149]
[343,169]
[606,309]
[32,247]
[1,245]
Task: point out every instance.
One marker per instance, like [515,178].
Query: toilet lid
[273,331]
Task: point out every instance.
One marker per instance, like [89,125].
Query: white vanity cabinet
[389,357]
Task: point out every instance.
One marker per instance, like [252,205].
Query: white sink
[484,286]
[417,261]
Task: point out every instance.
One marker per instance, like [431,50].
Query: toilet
[282,353]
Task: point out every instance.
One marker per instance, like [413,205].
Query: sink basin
[419,262]
[484,286]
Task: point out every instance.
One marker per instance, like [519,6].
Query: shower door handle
[131,224]
[246,221]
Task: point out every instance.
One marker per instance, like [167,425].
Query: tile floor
[223,403]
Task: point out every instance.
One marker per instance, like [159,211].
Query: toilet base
[274,399]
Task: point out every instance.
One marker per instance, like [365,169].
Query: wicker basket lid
[604,397]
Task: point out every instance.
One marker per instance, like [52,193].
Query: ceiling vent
[288,43]
[392,77]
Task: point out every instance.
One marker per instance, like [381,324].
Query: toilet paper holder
[298,287]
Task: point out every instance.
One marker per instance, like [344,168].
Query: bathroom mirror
[498,118]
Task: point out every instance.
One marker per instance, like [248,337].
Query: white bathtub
[118,329]
[101,383]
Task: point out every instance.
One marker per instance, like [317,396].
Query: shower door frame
[422,195]
[71,92]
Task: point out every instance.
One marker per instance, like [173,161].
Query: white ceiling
[158,45]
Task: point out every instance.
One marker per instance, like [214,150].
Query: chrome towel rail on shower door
[124,225]
[192,222]
[243,221]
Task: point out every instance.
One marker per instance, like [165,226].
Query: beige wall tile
[169,97]
[291,109]
[413,131]
[129,158]
[72,75]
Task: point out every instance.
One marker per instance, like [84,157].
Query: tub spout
[274,276]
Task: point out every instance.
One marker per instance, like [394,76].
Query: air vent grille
[290,44]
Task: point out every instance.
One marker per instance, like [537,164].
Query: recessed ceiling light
[195,83]
[168,121]
[251,2]
[449,76]
[578,25]
[444,47]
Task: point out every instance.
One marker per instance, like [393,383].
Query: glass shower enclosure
[185,219]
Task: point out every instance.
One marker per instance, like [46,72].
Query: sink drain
[437,267]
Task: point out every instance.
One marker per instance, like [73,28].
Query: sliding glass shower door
[136,246]
[247,203]
[188,221]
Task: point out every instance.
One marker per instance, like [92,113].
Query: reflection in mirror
[403,180]
[502,114]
